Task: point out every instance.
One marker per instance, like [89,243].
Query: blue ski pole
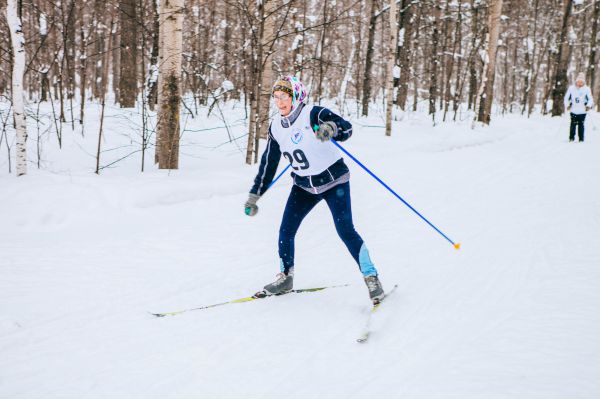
[456,245]
[248,209]
[278,176]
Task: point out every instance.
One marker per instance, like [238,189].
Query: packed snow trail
[513,314]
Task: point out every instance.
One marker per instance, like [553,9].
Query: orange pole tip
[457,245]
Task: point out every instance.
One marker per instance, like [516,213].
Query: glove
[587,108]
[326,131]
[250,206]
[569,108]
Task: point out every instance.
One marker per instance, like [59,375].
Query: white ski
[364,336]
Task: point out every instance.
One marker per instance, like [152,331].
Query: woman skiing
[301,133]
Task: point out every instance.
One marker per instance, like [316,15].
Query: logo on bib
[297,136]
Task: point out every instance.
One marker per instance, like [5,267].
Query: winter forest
[418,177]
[455,57]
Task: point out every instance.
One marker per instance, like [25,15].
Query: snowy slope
[513,314]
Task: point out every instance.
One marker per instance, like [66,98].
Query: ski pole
[248,209]
[456,245]
[278,176]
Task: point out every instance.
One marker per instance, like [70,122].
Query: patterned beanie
[581,77]
[291,85]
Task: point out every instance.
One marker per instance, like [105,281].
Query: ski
[366,333]
[258,295]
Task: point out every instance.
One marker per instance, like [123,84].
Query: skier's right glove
[250,206]
[326,131]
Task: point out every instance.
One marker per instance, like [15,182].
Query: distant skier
[578,100]
[301,133]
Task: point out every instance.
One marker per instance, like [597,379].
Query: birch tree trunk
[128,54]
[404,44]
[487,98]
[460,77]
[159,79]
[592,65]
[45,65]
[83,33]
[69,44]
[391,68]
[104,85]
[170,84]
[153,69]
[298,47]
[100,34]
[269,38]
[320,52]
[562,64]
[435,60]
[475,6]
[358,56]
[450,63]
[347,77]
[18,98]
[115,62]
[533,72]
[415,54]
[262,78]
[366,90]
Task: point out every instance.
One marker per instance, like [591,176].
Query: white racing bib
[301,148]
[579,98]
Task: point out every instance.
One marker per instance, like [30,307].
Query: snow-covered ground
[513,314]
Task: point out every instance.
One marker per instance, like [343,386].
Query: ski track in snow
[513,314]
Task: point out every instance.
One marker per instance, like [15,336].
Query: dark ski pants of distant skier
[300,203]
[577,121]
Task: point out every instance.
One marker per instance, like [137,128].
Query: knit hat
[284,86]
[580,76]
[291,85]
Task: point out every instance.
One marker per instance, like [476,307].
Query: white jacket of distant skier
[579,98]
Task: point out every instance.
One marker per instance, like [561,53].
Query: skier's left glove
[326,131]
[250,207]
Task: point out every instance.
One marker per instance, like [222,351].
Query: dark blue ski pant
[577,121]
[300,203]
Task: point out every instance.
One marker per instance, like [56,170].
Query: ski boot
[282,285]
[375,290]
